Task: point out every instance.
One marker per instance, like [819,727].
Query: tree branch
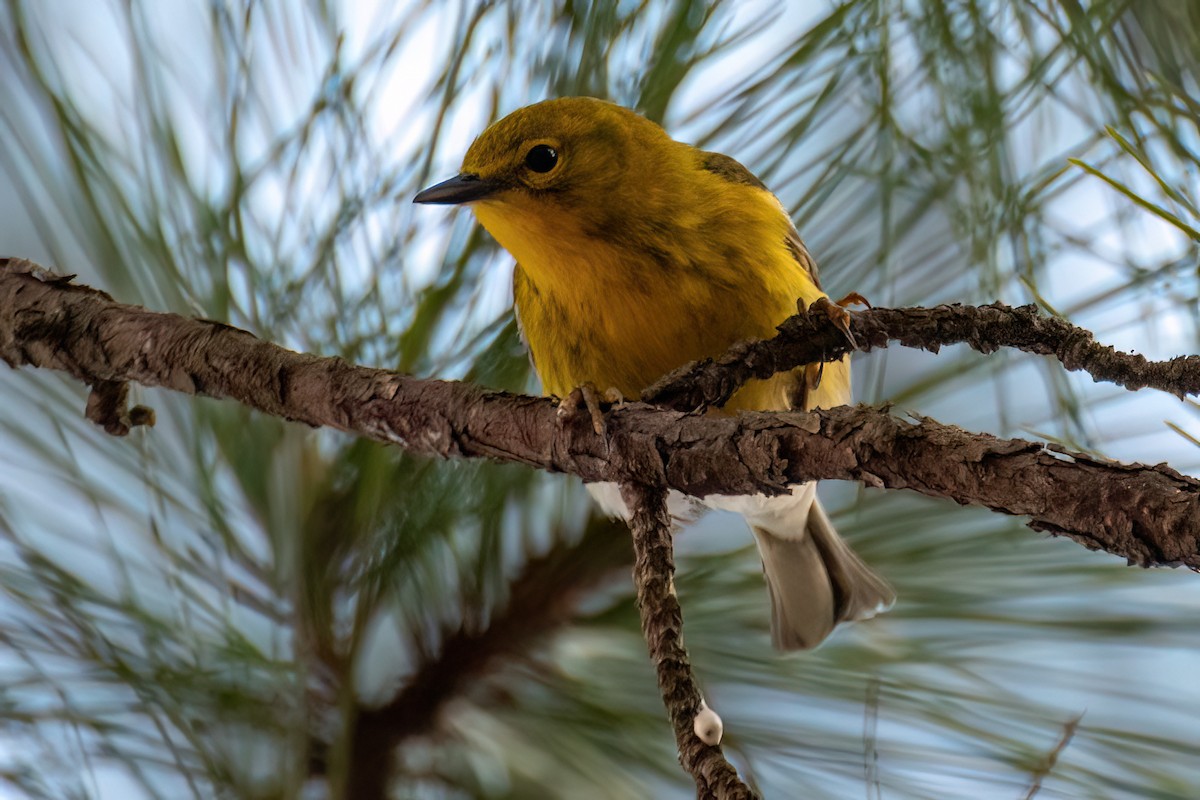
[662,628]
[542,599]
[811,336]
[1147,514]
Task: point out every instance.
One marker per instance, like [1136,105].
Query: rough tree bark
[1147,514]
[809,337]
[662,627]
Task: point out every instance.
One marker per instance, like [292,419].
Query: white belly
[779,514]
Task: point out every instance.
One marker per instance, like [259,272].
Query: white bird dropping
[707,725]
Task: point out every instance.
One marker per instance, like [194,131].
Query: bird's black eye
[541,158]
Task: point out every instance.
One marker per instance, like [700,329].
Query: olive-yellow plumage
[637,253]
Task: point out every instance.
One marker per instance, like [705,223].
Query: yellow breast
[621,312]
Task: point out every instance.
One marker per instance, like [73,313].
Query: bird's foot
[585,396]
[837,313]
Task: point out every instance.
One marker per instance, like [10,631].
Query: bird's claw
[854,299]
[813,374]
[838,315]
[585,396]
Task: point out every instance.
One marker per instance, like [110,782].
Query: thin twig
[662,627]
[871,741]
[1051,758]
[812,336]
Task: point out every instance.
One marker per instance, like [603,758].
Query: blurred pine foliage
[206,609]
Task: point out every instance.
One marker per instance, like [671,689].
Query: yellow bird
[637,253]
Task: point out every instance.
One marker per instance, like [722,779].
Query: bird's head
[561,172]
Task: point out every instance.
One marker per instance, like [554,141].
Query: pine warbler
[637,253]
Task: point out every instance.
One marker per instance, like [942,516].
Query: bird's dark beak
[463,188]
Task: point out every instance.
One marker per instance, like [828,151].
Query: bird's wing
[795,246]
[734,171]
